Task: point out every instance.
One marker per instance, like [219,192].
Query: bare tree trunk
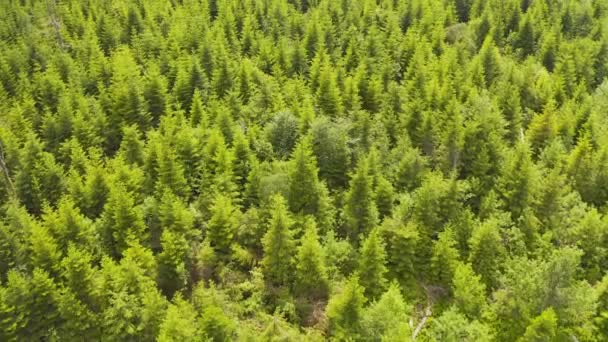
[427,314]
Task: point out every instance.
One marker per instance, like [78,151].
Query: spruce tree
[222,224]
[121,222]
[361,214]
[487,252]
[279,247]
[345,309]
[311,273]
[372,265]
[303,181]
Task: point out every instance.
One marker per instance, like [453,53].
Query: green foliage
[345,309]
[263,170]
[361,214]
[311,272]
[278,244]
[387,318]
[372,269]
[469,291]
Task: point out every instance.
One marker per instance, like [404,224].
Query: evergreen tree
[372,265]
[445,258]
[386,318]
[278,244]
[121,222]
[469,291]
[487,252]
[311,273]
[179,323]
[222,224]
[345,309]
[361,214]
[303,181]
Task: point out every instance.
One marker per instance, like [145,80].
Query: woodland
[304,170]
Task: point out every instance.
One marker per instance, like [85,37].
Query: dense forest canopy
[304,170]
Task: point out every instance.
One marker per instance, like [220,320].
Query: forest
[304,170]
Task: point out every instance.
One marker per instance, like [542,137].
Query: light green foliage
[453,326]
[361,214]
[542,328]
[469,292]
[279,246]
[372,269]
[445,258]
[222,224]
[487,251]
[311,272]
[386,319]
[264,169]
[122,221]
[180,323]
[304,192]
[345,309]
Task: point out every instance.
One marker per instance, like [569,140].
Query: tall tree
[361,214]
[278,244]
[372,265]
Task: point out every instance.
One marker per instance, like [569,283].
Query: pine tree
[487,252]
[469,291]
[170,172]
[222,224]
[180,323]
[29,306]
[243,160]
[198,113]
[131,146]
[69,226]
[303,181]
[155,95]
[386,319]
[311,273]
[172,262]
[328,94]
[543,128]
[121,221]
[519,181]
[278,244]
[372,265]
[345,309]
[445,258]
[361,214]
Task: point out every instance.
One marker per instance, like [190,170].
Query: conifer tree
[279,247]
[303,180]
[469,291]
[180,323]
[345,309]
[170,172]
[311,273]
[386,318]
[361,214]
[155,95]
[29,306]
[372,265]
[121,221]
[131,146]
[445,258]
[222,224]
[328,96]
[487,252]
